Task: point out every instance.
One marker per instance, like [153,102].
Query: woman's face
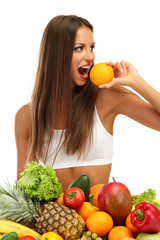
[83,56]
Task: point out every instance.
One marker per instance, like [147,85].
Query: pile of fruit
[99,212]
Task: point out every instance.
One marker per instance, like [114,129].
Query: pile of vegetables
[42,183]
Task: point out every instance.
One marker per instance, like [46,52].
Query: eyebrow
[83,43]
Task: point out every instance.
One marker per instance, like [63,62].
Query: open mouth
[84,71]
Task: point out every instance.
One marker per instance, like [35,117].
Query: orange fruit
[101,73]
[130,225]
[86,210]
[119,232]
[128,238]
[94,190]
[99,222]
[60,199]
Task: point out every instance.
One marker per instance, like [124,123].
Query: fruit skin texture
[129,225]
[60,199]
[10,226]
[10,236]
[83,182]
[148,236]
[73,197]
[101,73]
[42,216]
[58,218]
[86,210]
[119,232]
[146,217]
[115,198]
[27,237]
[51,236]
[100,223]
[128,238]
[95,191]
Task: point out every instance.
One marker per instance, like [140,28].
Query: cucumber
[83,182]
[148,236]
[10,236]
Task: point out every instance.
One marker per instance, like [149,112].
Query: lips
[84,70]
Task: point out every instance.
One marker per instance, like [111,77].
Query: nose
[89,55]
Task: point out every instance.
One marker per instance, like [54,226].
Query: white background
[126,29]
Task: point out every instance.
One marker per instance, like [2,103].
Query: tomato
[73,197]
[26,237]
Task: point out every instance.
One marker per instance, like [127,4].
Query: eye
[79,48]
[92,47]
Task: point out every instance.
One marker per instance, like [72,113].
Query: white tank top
[99,153]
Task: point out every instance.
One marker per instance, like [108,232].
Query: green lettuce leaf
[40,182]
[147,196]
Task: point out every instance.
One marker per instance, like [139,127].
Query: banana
[10,226]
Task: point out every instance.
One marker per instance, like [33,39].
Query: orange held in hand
[101,73]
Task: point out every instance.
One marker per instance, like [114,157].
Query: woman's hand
[124,75]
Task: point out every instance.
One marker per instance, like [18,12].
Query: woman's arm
[22,130]
[146,112]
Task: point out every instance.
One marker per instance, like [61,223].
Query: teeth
[85,67]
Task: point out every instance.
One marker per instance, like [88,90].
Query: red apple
[115,198]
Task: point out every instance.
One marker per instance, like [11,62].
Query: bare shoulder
[113,97]
[23,114]
[23,119]
[114,92]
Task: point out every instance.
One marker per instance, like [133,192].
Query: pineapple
[15,205]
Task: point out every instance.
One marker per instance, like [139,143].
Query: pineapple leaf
[17,206]
[8,186]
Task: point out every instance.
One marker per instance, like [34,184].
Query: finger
[119,67]
[110,63]
[123,64]
[108,85]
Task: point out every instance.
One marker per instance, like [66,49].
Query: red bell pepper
[146,217]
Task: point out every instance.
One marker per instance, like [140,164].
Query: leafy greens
[147,196]
[40,182]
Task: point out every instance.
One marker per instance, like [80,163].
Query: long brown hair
[52,94]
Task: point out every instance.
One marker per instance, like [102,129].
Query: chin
[79,83]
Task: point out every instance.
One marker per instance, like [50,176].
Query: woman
[69,121]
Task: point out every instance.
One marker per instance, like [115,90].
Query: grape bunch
[89,236]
